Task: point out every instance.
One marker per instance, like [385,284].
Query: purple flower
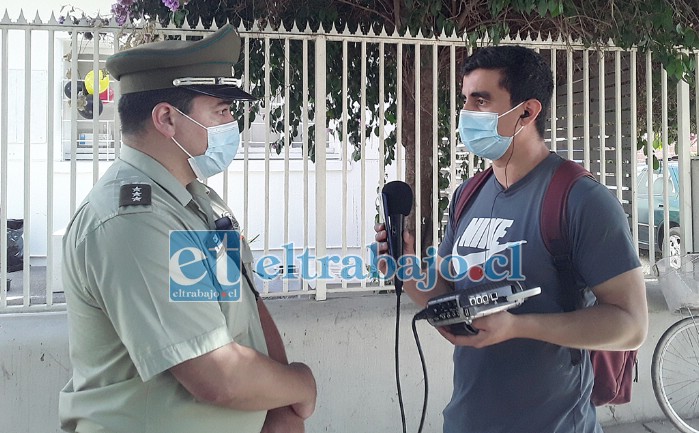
[173,5]
[122,10]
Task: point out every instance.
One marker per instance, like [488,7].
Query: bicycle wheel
[675,373]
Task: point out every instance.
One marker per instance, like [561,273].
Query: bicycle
[675,365]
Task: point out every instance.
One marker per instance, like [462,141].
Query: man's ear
[531,110]
[164,119]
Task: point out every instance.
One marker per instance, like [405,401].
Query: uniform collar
[153,169]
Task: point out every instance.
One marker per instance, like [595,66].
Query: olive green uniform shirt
[125,333]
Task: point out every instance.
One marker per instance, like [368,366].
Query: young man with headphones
[516,374]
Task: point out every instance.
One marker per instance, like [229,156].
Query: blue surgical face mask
[223,141]
[479,133]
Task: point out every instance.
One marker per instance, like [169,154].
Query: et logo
[204,265]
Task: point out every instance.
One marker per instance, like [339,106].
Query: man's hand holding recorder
[492,329]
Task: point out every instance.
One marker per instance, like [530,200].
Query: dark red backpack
[614,370]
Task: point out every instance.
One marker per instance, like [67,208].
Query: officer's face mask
[479,133]
[223,141]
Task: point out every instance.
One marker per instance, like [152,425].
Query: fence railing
[291,194]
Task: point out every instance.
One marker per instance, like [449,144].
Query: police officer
[143,360]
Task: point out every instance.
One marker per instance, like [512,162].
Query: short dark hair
[136,108]
[525,75]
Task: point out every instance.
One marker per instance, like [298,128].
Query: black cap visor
[222,91]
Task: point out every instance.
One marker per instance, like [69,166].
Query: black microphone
[397,200]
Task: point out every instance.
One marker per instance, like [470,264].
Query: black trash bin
[15,245]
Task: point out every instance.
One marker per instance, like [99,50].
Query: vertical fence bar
[650,138]
[226,177]
[117,119]
[554,102]
[95,108]
[362,143]
[287,147]
[418,174]
[382,119]
[683,143]
[586,108]
[436,220]
[382,116]
[73,119]
[26,277]
[321,140]
[3,165]
[49,168]
[693,245]
[247,136]
[633,137]
[304,145]
[399,111]
[345,142]
[664,164]
[268,111]
[602,119]
[569,103]
[452,119]
[617,110]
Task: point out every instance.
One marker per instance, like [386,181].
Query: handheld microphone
[397,200]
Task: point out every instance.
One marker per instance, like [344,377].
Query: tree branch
[366,9]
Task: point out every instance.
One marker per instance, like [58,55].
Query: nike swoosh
[480,257]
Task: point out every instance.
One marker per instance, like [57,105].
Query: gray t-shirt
[524,385]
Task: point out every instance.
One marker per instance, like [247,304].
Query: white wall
[347,341]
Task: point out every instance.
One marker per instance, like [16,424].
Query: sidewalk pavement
[658,426]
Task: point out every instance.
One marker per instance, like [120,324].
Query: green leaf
[553,8]
[543,7]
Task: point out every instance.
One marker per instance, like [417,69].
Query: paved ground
[660,426]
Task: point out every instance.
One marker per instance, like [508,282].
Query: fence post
[683,131]
[321,138]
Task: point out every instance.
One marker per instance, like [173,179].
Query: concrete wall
[348,342]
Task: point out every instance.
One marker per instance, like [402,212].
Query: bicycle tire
[675,374]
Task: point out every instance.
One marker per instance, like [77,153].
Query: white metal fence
[54,146]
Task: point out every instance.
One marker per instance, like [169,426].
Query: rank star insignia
[135,194]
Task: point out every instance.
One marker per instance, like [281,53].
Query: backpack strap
[554,229]
[467,192]
[554,226]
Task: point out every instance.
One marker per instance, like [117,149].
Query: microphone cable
[419,316]
[399,290]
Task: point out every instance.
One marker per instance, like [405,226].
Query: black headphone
[526,114]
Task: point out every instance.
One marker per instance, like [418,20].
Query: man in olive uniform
[143,362]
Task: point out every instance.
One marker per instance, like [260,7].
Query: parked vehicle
[674,235]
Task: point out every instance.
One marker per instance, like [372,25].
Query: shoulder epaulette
[135,194]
